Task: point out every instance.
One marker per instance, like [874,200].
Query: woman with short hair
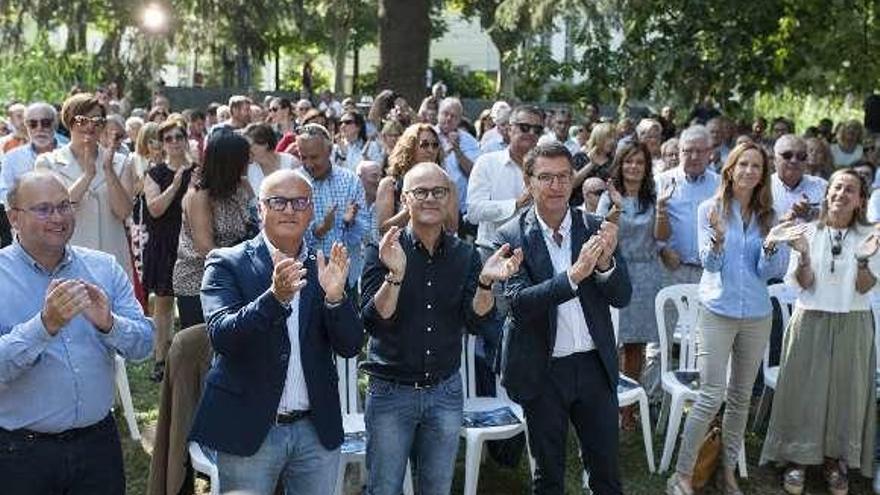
[355,145]
[265,159]
[848,149]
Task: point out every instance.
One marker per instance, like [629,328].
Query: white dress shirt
[255,174]
[495,183]
[295,396]
[785,197]
[572,333]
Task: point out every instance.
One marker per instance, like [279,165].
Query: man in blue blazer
[560,356]
[276,314]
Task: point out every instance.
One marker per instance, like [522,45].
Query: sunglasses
[425,145]
[82,121]
[788,155]
[176,137]
[274,109]
[44,123]
[536,129]
[869,148]
[279,203]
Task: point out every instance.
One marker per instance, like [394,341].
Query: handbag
[708,455]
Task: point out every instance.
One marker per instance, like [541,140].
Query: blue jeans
[423,423]
[290,452]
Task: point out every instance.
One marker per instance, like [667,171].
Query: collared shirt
[422,339]
[339,188]
[785,197]
[255,173]
[734,281]
[295,396]
[54,383]
[15,163]
[471,149]
[572,333]
[357,151]
[571,144]
[682,209]
[492,140]
[495,184]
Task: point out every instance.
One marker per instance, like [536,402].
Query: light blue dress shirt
[734,282]
[54,383]
[470,147]
[682,209]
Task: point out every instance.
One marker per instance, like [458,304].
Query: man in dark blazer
[559,356]
[276,314]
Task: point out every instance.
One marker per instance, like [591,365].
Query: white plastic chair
[630,392]
[124,394]
[202,464]
[475,437]
[785,296]
[675,382]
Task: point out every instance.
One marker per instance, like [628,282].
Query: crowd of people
[279,234]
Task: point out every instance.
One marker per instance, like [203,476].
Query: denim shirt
[734,281]
[54,383]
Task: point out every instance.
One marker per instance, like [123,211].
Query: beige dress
[96,226]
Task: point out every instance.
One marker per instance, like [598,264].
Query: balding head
[427,193]
[281,180]
[369,172]
[42,216]
[286,209]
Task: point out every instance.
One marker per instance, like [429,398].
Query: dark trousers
[5,229]
[86,461]
[577,391]
[189,308]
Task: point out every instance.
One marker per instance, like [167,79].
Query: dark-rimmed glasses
[44,211]
[421,193]
[549,179]
[279,203]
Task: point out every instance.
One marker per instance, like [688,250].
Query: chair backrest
[685,298]
[615,322]
[347,370]
[468,367]
[875,309]
[785,298]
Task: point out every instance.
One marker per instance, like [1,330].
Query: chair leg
[743,470]
[473,456]
[644,412]
[340,475]
[215,481]
[763,409]
[529,452]
[674,424]
[664,414]
[125,398]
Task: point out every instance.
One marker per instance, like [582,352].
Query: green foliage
[476,84]
[535,67]
[291,79]
[368,84]
[41,73]
[805,109]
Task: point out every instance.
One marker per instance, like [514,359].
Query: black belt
[428,382]
[62,436]
[291,417]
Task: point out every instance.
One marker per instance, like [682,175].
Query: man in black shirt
[421,287]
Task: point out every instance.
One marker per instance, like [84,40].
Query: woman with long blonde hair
[418,143]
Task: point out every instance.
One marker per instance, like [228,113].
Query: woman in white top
[355,145]
[847,149]
[824,409]
[99,181]
[264,158]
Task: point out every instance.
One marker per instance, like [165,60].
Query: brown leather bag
[708,455]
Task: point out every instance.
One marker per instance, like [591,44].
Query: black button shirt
[422,339]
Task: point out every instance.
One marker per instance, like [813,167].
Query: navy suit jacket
[248,331]
[535,292]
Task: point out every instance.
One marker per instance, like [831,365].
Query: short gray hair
[41,107]
[695,133]
[646,125]
[131,122]
[449,101]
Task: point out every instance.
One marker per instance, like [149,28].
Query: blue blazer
[535,292]
[248,331]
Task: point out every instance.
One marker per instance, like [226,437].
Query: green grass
[494,479]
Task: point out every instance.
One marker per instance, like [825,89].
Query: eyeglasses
[788,155]
[45,210]
[170,138]
[44,123]
[83,120]
[549,179]
[693,151]
[314,130]
[421,193]
[536,129]
[279,203]
[433,145]
[274,109]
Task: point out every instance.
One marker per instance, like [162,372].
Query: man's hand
[350,212]
[327,223]
[99,311]
[391,253]
[671,259]
[288,277]
[64,300]
[666,194]
[453,139]
[608,236]
[586,262]
[719,229]
[802,208]
[501,265]
[333,272]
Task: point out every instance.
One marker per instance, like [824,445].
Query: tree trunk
[355,70]
[339,62]
[404,40]
[506,83]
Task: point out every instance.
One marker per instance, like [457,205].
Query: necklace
[836,242]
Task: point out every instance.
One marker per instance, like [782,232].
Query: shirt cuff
[604,276]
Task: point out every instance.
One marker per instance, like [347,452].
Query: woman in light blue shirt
[737,245]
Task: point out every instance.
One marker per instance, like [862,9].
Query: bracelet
[390,280]
[483,286]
